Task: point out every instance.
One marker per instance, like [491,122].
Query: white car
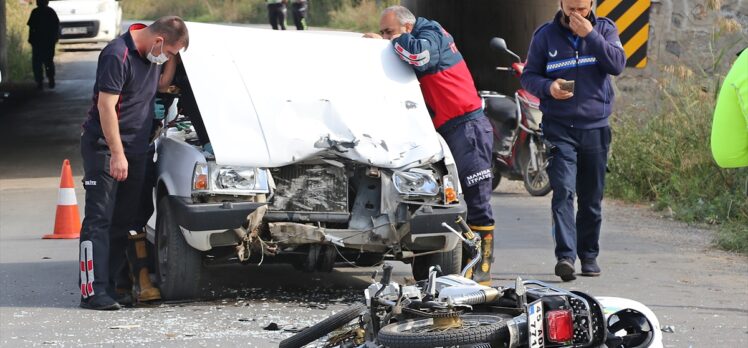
[88,21]
[305,148]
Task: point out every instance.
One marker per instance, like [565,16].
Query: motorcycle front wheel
[324,327]
[475,328]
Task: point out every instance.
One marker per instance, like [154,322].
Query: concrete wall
[682,29]
[682,33]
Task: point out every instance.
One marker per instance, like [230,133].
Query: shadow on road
[23,287]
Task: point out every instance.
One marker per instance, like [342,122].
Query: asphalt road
[701,293]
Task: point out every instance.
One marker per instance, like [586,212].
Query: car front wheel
[449,261]
[179,266]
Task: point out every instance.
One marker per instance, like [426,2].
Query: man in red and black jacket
[456,110]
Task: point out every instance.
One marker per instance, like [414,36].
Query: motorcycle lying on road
[453,311]
[519,151]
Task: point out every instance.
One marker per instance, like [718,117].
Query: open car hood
[271,98]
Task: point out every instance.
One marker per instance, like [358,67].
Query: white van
[88,21]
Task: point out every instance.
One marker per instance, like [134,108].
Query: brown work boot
[481,273]
[145,289]
[137,254]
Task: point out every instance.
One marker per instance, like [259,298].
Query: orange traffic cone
[67,219]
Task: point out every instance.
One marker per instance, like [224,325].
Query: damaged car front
[325,161]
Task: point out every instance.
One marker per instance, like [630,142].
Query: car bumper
[99,28]
[210,216]
[429,219]
[202,220]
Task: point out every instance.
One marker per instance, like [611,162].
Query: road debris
[668,329]
[272,327]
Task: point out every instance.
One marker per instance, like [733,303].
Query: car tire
[324,327]
[179,267]
[449,261]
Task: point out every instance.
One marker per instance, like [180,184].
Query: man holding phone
[568,67]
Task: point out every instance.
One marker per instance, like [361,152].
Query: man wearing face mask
[114,146]
[456,111]
[568,67]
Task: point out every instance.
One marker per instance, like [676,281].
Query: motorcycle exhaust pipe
[478,297]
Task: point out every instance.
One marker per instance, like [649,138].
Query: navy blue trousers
[471,143]
[577,165]
[103,238]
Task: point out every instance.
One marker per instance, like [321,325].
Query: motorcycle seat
[501,110]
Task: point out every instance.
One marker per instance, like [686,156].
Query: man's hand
[118,166]
[559,93]
[373,36]
[579,25]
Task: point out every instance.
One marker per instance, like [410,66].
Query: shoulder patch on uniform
[607,21]
[541,28]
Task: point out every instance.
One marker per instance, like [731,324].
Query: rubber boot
[138,258]
[481,273]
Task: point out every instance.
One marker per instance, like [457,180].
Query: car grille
[310,188]
[79,30]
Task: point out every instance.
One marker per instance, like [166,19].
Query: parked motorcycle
[453,311]
[519,151]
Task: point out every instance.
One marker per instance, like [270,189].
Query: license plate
[74,30]
[536,334]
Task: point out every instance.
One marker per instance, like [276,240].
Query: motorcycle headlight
[212,178]
[412,183]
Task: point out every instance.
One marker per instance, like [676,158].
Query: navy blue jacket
[555,52]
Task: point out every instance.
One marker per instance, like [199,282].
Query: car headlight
[236,179]
[413,183]
[218,179]
[450,190]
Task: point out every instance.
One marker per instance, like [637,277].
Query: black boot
[100,303]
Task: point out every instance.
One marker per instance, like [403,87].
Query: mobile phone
[568,86]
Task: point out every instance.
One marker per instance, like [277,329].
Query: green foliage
[361,16]
[661,151]
[225,11]
[357,15]
[19,50]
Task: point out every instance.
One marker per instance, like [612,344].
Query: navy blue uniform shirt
[122,70]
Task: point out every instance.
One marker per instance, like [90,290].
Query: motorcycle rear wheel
[476,328]
[537,182]
[496,179]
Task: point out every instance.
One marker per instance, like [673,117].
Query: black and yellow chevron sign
[632,20]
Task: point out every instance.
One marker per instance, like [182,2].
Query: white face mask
[160,59]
